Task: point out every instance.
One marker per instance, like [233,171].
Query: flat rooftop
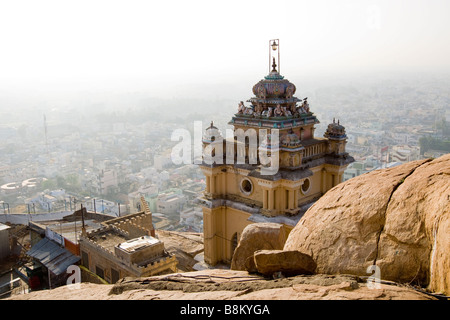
[108,239]
[138,243]
[69,230]
[4,227]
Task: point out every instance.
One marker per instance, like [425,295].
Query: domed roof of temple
[274,86]
[211,134]
[274,89]
[335,131]
[273,104]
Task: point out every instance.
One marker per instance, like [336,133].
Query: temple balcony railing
[315,149]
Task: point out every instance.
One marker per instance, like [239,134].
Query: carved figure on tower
[258,109]
[306,104]
[241,107]
[293,108]
[278,111]
[290,91]
[286,112]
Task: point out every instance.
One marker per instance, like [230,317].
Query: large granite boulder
[289,263]
[397,219]
[257,236]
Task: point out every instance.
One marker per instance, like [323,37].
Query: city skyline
[201,48]
[66,106]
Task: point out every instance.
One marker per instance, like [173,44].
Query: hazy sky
[156,44]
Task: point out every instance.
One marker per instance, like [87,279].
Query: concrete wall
[23,218]
[88,276]
[223,223]
[106,261]
[4,242]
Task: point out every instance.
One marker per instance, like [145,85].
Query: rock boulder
[397,219]
[257,236]
[290,263]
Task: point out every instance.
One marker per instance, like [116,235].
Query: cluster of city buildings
[387,130]
[110,186]
[122,176]
[115,161]
[103,247]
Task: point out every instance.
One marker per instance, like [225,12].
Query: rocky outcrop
[218,284]
[397,219]
[415,242]
[289,263]
[184,245]
[257,236]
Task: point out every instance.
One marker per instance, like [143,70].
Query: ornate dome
[274,96]
[274,100]
[211,134]
[274,87]
[335,131]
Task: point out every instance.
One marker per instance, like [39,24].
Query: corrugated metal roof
[52,256]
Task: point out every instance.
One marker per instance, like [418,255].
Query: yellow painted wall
[222,223]
[225,222]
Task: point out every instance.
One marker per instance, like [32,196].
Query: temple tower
[272,169]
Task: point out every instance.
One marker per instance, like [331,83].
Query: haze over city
[75,74]
[170,49]
[105,105]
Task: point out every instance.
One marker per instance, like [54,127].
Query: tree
[48,184]
[60,182]
[73,183]
[429,143]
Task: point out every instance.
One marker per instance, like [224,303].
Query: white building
[170,203]
[59,193]
[161,161]
[192,218]
[147,191]
[107,179]
[45,201]
[404,153]
[103,206]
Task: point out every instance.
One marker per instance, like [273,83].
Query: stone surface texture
[397,219]
[216,284]
[289,263]
[257,236]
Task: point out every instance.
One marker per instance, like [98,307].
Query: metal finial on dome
[274,66]
[274,45]
[274,52]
